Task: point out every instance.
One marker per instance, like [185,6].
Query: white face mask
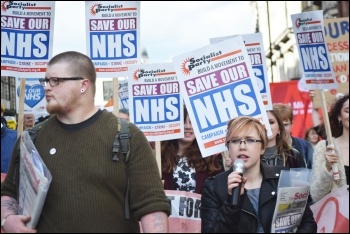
[1,125]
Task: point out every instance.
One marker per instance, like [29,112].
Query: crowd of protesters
[182,165]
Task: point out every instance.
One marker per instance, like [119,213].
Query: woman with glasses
[246,140]
[278,151]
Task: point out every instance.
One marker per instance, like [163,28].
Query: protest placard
[216,83]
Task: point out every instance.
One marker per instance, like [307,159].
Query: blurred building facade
[8,92]
[274,22]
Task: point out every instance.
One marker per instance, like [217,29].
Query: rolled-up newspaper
[34,181]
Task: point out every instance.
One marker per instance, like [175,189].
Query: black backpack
[121,142]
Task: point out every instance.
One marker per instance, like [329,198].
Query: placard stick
[328,133]
[116,96]
[158,156]
[21,107]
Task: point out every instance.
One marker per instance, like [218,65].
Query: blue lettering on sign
[113,45]
[25,44]
[156,109]
[259,74]
[339,29]
[314,58]
[125,103]
[33,94]
[232,100]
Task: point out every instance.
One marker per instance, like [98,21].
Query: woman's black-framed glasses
[248,141]
[54,81]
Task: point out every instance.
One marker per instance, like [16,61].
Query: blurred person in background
[8,140]
[326,154]
[302,146]
[312,136]
[124,114]
[278,151]
[183,167]
[28,121]
[228,162]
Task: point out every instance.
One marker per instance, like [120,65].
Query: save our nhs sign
[216,83]
[26,37]
[255,49]
[314,56]
[113,36]
[156,104]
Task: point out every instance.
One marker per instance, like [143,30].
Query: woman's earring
[82,90]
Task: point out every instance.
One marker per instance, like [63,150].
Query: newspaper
[34,181]
[292,197]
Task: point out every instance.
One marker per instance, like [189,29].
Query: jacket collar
[268,189]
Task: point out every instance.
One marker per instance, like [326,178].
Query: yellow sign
[11,122]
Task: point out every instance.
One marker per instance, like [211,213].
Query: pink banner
[332,212]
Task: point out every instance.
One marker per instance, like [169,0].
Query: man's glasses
[54,81]
[248,141]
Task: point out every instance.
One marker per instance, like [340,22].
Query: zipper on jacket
[257,219]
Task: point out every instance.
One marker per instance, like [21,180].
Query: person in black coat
[246,140]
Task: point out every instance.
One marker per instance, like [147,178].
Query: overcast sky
[168,28]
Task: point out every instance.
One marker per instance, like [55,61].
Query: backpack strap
[124,139]
[122,142]
[125,148]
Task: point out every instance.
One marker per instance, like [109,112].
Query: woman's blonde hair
[244,125]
